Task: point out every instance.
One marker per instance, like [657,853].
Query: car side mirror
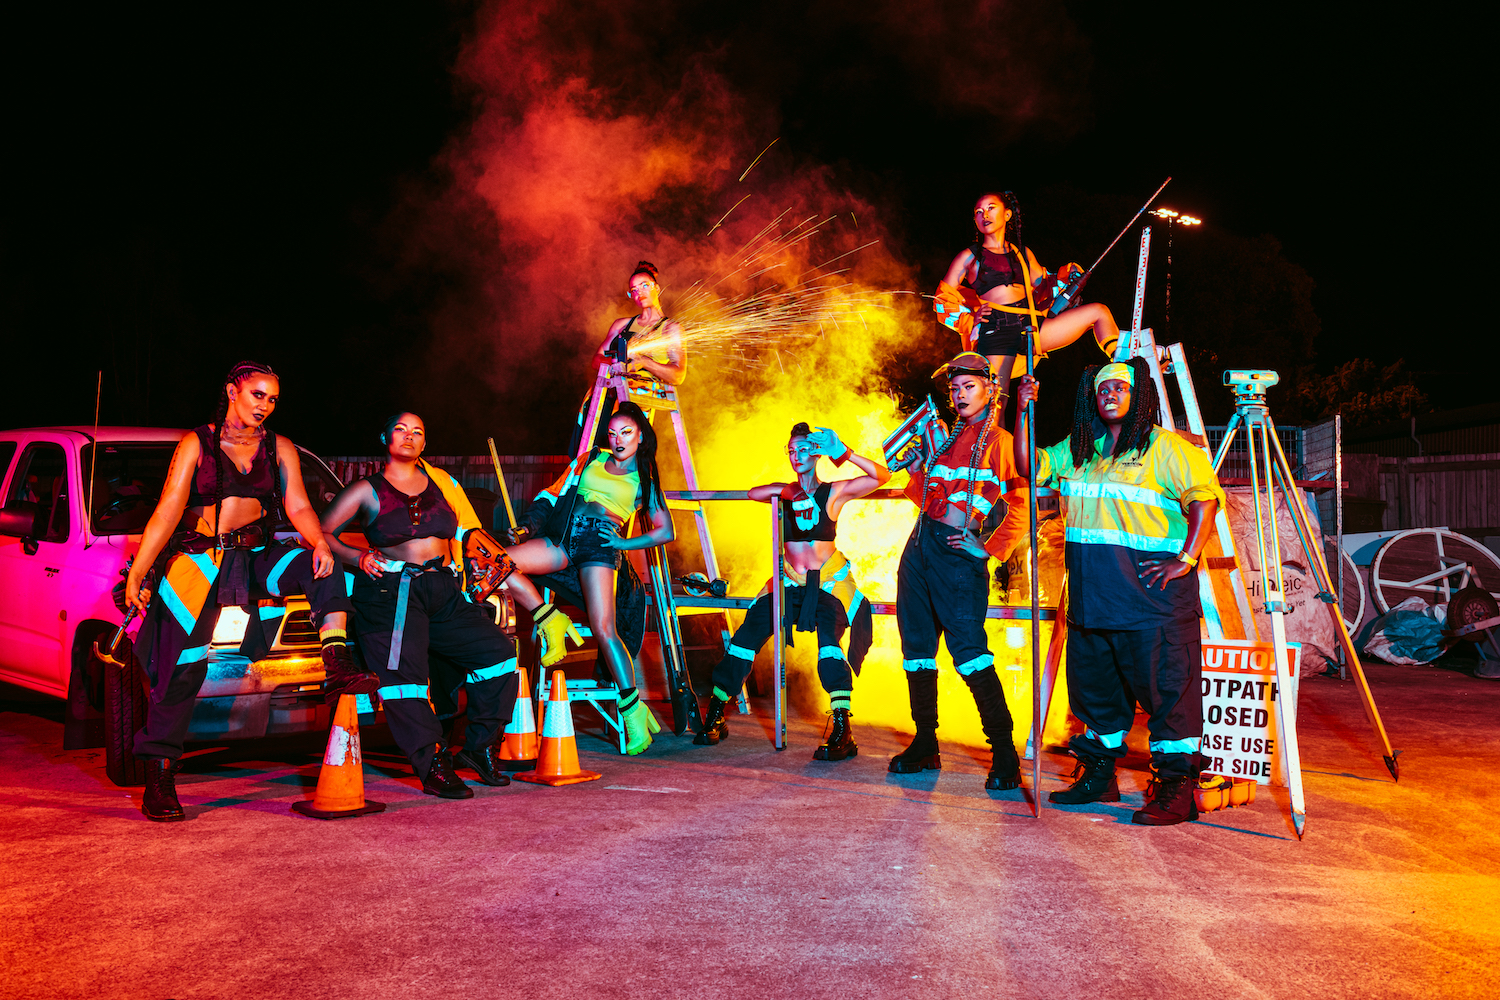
[19,519]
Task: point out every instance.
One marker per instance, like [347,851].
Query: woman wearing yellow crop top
[581,521]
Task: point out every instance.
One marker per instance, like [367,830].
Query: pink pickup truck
[59,565]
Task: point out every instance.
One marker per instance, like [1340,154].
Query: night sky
[188,189]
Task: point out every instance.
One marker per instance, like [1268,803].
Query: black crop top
[258,484]
[393,525]
[811,523]
[989,275]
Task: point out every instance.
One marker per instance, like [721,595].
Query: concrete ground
[740,871]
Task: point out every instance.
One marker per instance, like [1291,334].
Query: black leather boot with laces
[840,743]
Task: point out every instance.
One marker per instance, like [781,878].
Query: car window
[128,478]
[7,452]
[41,482]
[321,484]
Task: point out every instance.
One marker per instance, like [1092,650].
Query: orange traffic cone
[558,762]
[341,782]
[518,747]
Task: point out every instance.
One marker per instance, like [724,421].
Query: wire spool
[1471,604]
[1430,563]
[1352,597]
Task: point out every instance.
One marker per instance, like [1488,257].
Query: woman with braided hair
[583,520]
[983,296]
[1139,504]
[942,587]
[211,534]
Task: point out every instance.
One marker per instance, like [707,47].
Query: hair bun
[646,267]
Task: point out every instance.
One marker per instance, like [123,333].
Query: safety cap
[967,363]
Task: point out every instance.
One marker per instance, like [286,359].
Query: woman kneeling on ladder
[410,600]
[580,521]
[821,593]
[983,296]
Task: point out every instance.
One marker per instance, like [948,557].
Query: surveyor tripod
[1270,472]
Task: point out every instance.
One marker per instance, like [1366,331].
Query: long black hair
[237,375]
[1135,431]
[645,457]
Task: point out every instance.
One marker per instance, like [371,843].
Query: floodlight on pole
[1171,217]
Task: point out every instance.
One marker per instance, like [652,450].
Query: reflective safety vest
[1122,513]
[948,483]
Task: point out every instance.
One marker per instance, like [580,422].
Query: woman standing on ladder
[983,296]
[656,353]
[581,521]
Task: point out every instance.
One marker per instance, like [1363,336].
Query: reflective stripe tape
[951,472]
[497,670]
[348,584]
[975,665]
[271,611]
[389,565]
[1126,539]
[193,654]
[398,692]
[919,664]
[1112,740]
[980,504]
[273,579]
[398,625]
[830,653]
[185,619]
[740,652]
[1176,746]
[1118,491]
[558,722]
[824,585]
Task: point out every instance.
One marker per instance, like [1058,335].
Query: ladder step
[692,505]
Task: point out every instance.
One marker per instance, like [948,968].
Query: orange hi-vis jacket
[994,478]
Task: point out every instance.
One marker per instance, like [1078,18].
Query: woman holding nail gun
[583,521]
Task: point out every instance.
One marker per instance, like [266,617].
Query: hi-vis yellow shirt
[1122,513]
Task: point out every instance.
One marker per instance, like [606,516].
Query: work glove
[825,441]
[554,629]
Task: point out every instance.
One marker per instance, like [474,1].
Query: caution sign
[1239,708]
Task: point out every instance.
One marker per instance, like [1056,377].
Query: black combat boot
[922,754]
[160,803]
[442,782]
[343,674]
[994,717]
[1094,781]
[714,728]
[484,763]
[840,743]
[1172,799]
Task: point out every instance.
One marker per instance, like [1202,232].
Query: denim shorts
[585,546]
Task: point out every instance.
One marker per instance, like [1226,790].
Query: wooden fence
[1461,492]
[525,476]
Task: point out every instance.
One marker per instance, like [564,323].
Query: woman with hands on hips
[1139,503]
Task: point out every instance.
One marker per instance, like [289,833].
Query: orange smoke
[592,148]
